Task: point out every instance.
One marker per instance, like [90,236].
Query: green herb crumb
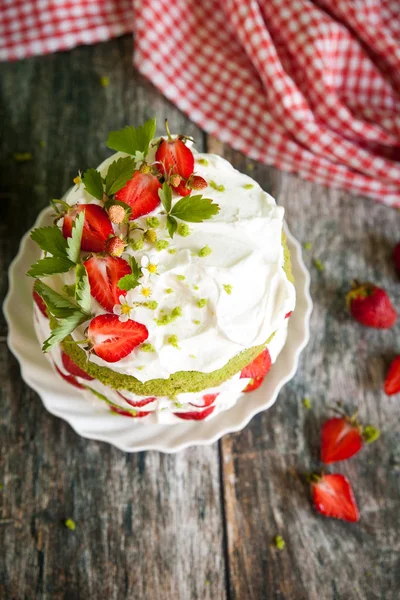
[147,348]
[152,222]
[104,81]
[70,524]
[216,186]
[137,245]
[151,304]
[173,340]
[169,291]
[248,186]
[22,156]
[150,236]
[140,368]
[319,264]
[167,319]
[250,167]
[42,144]
[162,245]
[307,245]
[205,251]
[181,277]
[279,542]
[178,404]
[195,287]
[370,434]
[307,403]
[172,250]
[202,302]
[183,229]
[1,486]
[228,288]
[192,356]
[203,161]
[196,321]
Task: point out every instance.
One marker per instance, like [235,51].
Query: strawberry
[141,194]
[195,416]
[69,378]
[138,403]
[208,399]
[96,229]
[114,246]
[340,439]
[104,272]
[126,413]
[175,158]
[257,370]
[370,305]
[392,381]
[396,257]
[195,182]
[40,304]
[72,368]
[117,214]
[112,340]
[333,497]
[289,314]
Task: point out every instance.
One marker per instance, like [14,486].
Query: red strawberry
[114,246]
[175,158]
[333,497]
[208,399]
[254,384]
[126,413]
[195,182]
[257,370]
[138,403]
[104,272]
[141,194]
[340,439]
[69,378]
[72,368]
[392,381]
[396,256]
[371,306]
[40,304]
[288,314]
[195,416]
[112,340]
[96,229]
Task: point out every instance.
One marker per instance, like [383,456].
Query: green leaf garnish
[131,139]
[50,239]
[93,183]
[82,289]
[74,242]
[128,282]
[194,209]
[69,290]
[63,328]
[59,306]
[50,266]
[165,195]
[136,270]
[172,225]
[118,174]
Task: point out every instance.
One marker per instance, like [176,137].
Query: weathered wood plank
[148,526]
[262,466]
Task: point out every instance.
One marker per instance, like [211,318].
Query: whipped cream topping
[222,303]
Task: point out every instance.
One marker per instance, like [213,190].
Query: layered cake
[164,288]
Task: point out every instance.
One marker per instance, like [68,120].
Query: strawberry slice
[72,368]
[195,416]
[69,378]
[257,370]
[254,384]
[208,399]
[392,381]
[112,340]
[288,315]
[97,226]
[340,439]
[138,403]
[126,413]
[141,194]
[175,158]
[333,497]
[104,272]
[40,304]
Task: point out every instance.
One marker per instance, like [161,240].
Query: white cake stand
[91,419]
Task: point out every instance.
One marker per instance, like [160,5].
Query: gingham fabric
[310,87]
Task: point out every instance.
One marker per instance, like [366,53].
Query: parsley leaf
[165,195]
[59,306]
[93,183]
[64,328]
[118,174]
[172,225]
[50,239]
[74,242]
[82,290]
[131,139]
[50,266]
[194,209]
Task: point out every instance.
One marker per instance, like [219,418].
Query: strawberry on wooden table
[73,368]
[342,437]
[392,381]
[195,416]
[371,306]
[333,497]
[104,273]
[141,194]
[175,158]
[257,370]
[97,226]
[112,340]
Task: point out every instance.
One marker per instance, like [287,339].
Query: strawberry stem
[167,130]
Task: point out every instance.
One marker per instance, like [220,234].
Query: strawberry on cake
[164,288]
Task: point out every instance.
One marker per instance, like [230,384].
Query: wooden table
[199,524]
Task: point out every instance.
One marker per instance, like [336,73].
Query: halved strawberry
[392,381]
[176,159]
[40,304]
[333,497]
[112,340]
[138,403]
[195,416]
[254,384]
[257,370]
[69,378]
[340,439]
[104,272]
[96,229]
[141,194]
[126,413]
[208,399]
[72,368]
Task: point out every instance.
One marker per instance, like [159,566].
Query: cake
[164,288]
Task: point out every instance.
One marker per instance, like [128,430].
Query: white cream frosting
[247,255]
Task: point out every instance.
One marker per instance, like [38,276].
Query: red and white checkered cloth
[310,87]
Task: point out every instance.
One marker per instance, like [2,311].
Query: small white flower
[123,310]
[150,266]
